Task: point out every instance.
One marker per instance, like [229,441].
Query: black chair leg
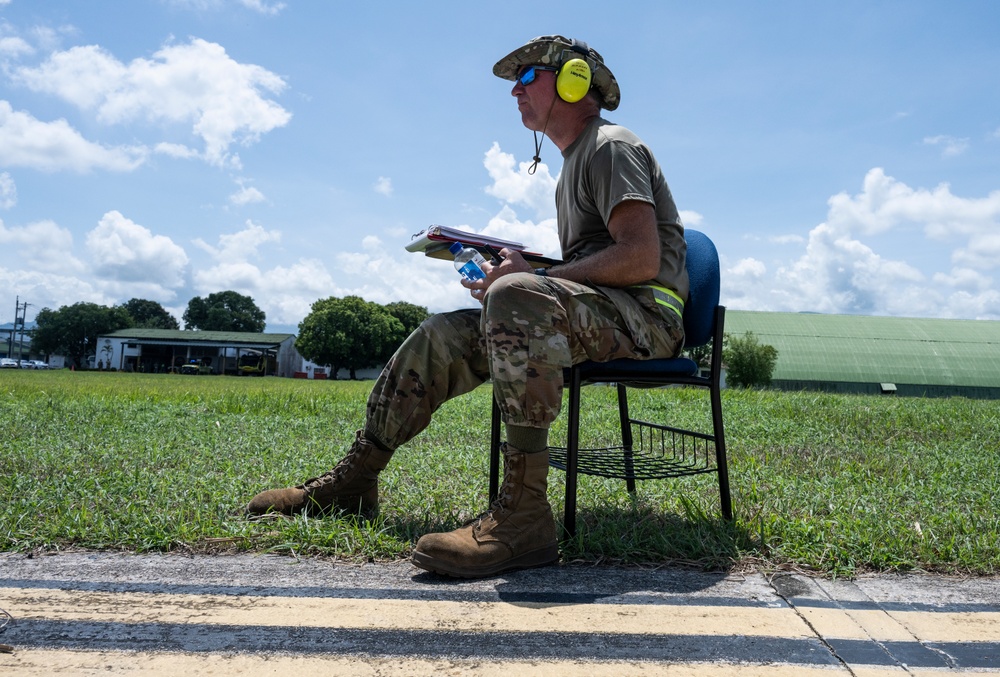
[721,462]
[627,442]
[572,453]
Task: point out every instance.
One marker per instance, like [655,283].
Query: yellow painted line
[867,671]
[979,626]
[905,626]
[393,614]
[855,624]
[44,663]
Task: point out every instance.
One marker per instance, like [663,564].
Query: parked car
[7,363]
[40,365]
[202,366]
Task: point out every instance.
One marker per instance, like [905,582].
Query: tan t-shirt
[606,165]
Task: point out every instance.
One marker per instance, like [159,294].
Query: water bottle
[468,261]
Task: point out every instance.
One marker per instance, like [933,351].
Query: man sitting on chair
[620,293]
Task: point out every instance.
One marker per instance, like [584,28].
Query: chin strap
[537,157]
[538,149]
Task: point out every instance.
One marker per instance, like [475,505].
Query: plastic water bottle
[468,261]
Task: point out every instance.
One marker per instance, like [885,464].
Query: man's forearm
[620,265]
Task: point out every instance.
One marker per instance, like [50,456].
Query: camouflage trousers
[529,329]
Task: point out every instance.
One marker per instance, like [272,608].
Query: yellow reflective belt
[666,297]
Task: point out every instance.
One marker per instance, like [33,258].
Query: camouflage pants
[529,329]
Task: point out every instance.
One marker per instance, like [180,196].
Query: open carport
[203,352]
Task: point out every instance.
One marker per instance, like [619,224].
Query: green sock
[528,440]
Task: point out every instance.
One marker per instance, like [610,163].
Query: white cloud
[742,281]
[269,9]
[982,251]
[125,252]
[48,39]
[41,246]
[515,186]
[246,195]
[195,84]
[984,305]
[541,237]
[691,219]
[964,279]
[839,272]
[12,47]
[787,239]
[8,191]
[887,204]
[950,145]
[284,293]
[241,246]
[748,267]
[383,186]
[176,150]
[49,290]
[259,6]
[53,146]
[37,262]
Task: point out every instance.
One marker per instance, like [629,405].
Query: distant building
[889,355]
[205,352]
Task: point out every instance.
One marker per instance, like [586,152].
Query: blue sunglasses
[527,76]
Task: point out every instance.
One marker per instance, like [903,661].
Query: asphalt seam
[944,655]
[946,658]
[812,628]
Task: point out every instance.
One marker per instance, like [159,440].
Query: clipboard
[434,241]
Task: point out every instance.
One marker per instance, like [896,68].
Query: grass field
[836,484]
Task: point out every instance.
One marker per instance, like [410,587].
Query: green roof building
[208,352]
[865,354]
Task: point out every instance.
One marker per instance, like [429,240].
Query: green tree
[150,315]
[348,333]
[409,315]
[224,311]
[749,363]
[73,330]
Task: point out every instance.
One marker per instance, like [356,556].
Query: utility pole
[20,345]
[20,315]
[10,339]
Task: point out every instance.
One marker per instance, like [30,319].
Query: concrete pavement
[260,614]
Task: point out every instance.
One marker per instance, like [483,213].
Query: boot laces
[334,475]
[501,503]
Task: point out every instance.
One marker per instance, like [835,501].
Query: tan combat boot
[517,532]
[352,486]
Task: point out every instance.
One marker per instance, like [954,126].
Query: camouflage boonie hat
[554,50]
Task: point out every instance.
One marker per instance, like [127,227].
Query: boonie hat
[554,50]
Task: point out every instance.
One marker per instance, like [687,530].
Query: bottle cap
[456,247]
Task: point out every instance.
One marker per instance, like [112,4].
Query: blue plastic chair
[661,451]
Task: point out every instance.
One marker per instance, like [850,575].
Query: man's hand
[512,262]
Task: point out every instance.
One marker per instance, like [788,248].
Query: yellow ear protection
[574,76]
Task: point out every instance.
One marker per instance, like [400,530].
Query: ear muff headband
[573,80]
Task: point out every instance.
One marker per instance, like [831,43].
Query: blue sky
[845,157]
